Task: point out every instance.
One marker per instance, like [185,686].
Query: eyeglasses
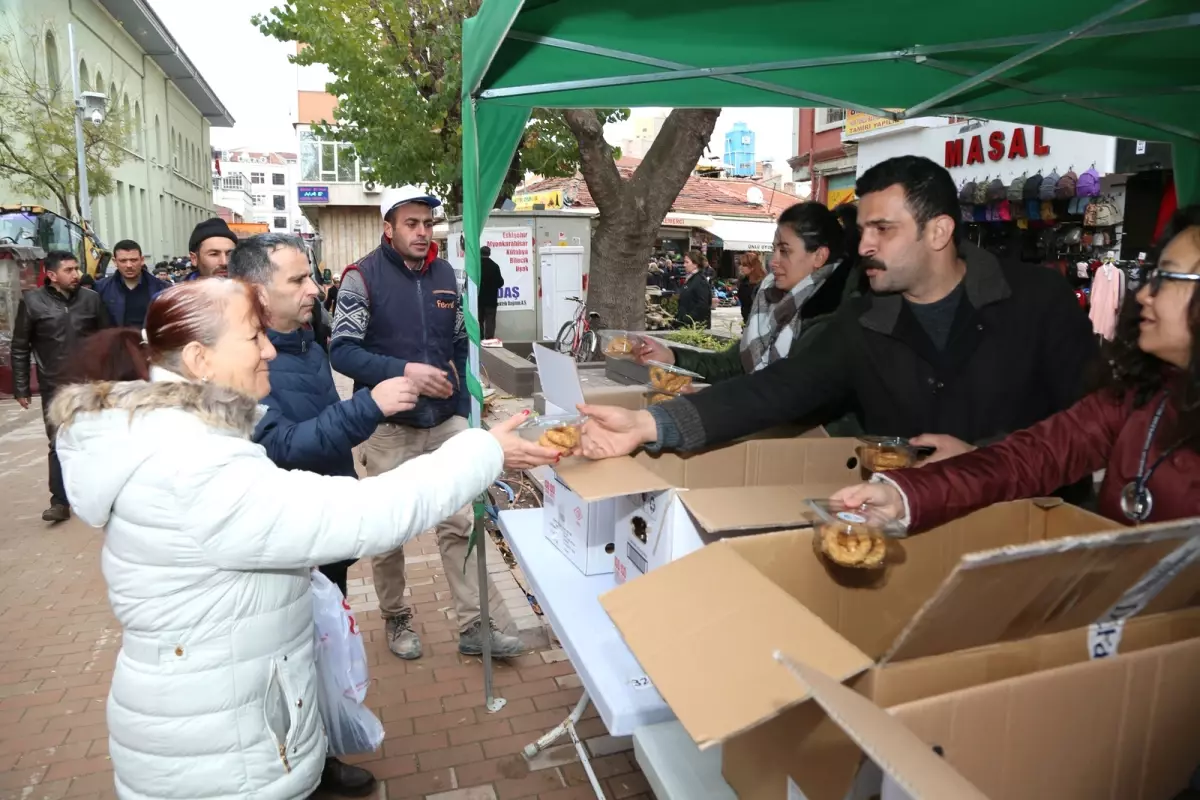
[1156,278]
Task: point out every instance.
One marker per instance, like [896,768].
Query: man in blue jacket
[399,313]
[307,426]
[128,291]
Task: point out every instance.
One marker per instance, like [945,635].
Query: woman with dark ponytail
[811,272]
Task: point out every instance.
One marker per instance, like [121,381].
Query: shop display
[851,537]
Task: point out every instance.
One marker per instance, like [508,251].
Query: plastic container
[671,380]
[559,431]
[883,453]
[656,395]
[854,538]
[621,345]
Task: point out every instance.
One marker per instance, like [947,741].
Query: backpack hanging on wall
[1065,188]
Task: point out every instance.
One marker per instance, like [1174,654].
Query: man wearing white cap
[399,313]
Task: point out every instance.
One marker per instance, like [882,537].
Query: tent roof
[1129,68]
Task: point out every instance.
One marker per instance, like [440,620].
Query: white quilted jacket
[207,553]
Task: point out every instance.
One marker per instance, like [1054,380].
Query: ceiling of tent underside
[1120,67]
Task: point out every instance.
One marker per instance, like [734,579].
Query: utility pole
[85,202]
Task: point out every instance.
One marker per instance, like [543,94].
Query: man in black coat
[491,281]
[948,347]
[51,322]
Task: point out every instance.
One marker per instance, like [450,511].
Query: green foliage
[699,337]
[37,129]
[397,76]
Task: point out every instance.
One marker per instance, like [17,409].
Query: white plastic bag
[342,673]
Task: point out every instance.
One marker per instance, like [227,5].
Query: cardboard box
[582,531]
[667,506]
[1122,727]
[1125,727]
[1008,591]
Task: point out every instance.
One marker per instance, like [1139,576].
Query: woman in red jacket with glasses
[1143,428]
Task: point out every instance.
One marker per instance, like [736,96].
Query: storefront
[1032,195]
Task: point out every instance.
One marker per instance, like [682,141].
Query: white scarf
[775,322]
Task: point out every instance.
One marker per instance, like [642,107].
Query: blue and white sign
[313,194]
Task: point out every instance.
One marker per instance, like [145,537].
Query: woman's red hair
[190,312]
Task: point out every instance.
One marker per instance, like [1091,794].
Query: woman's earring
[204,379]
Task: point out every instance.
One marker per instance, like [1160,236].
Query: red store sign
[997,147]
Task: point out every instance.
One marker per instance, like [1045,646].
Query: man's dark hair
[928,188]
[251,259]
[127,245]
[485,252]
[162,265]
[55,258]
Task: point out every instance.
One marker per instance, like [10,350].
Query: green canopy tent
[1128,69]
[1131,69]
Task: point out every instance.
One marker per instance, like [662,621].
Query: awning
[745,234]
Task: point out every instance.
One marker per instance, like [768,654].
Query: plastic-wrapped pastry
[564,439]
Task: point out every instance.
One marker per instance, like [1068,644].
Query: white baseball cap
[405,194]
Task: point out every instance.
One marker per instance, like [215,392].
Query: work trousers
[390,446]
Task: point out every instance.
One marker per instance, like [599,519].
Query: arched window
[83,75]
[53,76]
[137,127]
[127,121]
[114,100]
[176,144]
[158,154]
[99,86]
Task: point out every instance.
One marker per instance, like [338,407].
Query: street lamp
[90,106]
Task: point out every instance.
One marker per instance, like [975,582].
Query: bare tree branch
[596,159]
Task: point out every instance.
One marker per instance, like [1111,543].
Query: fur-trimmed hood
[108,431]
[213,405]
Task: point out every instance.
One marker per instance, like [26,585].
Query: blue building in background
[739,151]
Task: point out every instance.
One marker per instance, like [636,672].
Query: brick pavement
[61,642]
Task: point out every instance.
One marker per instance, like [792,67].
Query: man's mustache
[873,263]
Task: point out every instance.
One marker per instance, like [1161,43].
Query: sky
[251,75]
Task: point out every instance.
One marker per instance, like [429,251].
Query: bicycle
[577,338]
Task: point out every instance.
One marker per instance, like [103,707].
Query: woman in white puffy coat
[208,545]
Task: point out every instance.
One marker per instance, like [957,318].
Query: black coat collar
[985,284]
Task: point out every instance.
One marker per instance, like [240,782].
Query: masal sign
[998,147]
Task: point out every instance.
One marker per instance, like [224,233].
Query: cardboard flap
[611,477]
[748,508]
[1049,586]
[884,739]
[705,627]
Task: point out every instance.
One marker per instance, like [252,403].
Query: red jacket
[1098,432]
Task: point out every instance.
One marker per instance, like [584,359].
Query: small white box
[582,531]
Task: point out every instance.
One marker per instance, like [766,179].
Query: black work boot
[57,513]
[346,780]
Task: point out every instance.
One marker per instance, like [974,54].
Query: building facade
[164,187]
[331,191]
[265,185]
[822,159]
[739,151]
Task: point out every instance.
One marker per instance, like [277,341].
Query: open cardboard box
[1005,592]
[1126,727]
[651,510]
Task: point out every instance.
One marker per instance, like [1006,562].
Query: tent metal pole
[1176,22]
[636,58]
[972,109]
[1008,83]
[1045,46]
[682,72]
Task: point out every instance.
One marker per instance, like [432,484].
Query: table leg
[567,727]
[492,703]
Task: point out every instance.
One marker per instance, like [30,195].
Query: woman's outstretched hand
[520,453]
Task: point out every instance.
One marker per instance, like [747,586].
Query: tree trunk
[631,211]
